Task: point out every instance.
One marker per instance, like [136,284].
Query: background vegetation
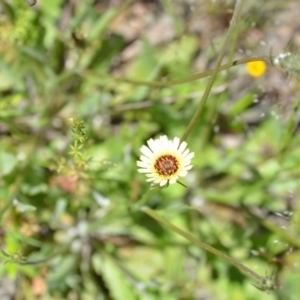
[74,114]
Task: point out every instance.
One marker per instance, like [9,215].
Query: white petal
[143,171]
[158,180]
[182,147]
[157,145]
[145,159]
[189,157]
[183,173]
[164,142]
[185,153]
[142,164]
[152,145]
[176,142]
[150,175]
[150,179]
[172,181]
[163,182]
[146,151]
[186,162]
[188,167]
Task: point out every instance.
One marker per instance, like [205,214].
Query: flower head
[164,161]
[256,68]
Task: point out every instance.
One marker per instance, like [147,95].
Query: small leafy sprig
[267,283]
[14,258]
[289,61]
[78,129]
[73,169]
[76,149]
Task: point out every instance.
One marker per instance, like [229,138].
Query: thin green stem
[234,39]
[154,84]
[201,244]
[145,197]
[290,130]
[215,71]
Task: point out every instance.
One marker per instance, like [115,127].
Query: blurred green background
[69,227]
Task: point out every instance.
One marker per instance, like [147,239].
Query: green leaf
[241,105]
[116,281]
[7,163]
[146,69]
[65,267]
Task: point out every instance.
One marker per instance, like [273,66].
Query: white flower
[164,161]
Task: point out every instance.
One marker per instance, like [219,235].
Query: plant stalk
[215,71]
[201,244]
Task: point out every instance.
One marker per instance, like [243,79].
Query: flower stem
[145,197]
[215,71]
[201,244]
[155,84]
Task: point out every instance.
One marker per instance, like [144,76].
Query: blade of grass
[212,78]
[201,244]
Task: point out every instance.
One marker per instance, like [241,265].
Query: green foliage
[83,85]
